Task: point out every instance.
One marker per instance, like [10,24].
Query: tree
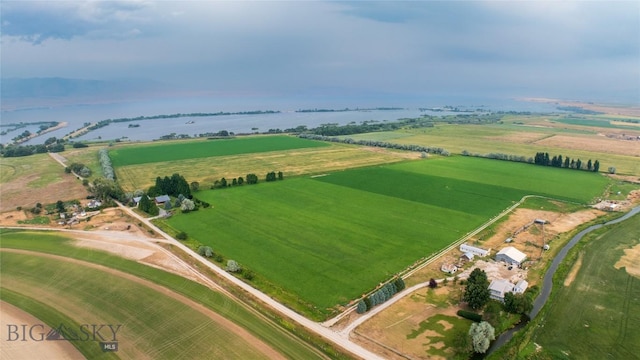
[240,180]
[195,186]
[182,235]
[60,206]
[477,292]
[612,170]
[280,175]
[205,251]
[252,179]
[362,307]
[596,166]
[517,303]
[187,205]
[589,165]
[232,266]
[567,162]
[481,335]
[578,164]
[433,283]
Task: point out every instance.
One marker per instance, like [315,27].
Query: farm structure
[468,256]
[160,200]
[474,250]
[499,287]
[511,255]
[449,268]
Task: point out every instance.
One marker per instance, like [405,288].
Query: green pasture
[328,239]
[600,309]
[156,324]
[594,122]
[183,150]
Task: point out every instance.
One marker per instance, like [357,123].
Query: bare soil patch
[595,144]
[574,271]
[630,261]
[29,350]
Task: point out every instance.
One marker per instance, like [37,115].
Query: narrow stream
[547,282]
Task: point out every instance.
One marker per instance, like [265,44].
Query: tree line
[543,158]
[383,294]
[249,179]
[382,144]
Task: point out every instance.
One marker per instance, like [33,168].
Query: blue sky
[571,50]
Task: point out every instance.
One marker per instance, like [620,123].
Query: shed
[474,250]
[511,255]
[521,287]
[449,268]
[467,256]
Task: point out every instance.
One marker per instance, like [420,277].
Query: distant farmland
[328,239]
[133,155]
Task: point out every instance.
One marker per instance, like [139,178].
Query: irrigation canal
[547,282]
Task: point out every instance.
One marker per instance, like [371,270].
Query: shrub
[470,315]
[362,307]
[182,235]
[232,266]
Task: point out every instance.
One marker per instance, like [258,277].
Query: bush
[182,235]
[470,315]
[362,307]
[248,274]
[232,266]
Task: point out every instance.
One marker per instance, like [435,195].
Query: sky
[586,50]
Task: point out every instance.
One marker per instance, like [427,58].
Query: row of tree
[250,179]
[382,144]
[543,158]
[26,150]
[383,294]
[79,169]
[105,162]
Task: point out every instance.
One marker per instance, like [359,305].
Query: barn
[511,255]
[474,250]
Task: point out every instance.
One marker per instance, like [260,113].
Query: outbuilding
[511,255]
[474,250]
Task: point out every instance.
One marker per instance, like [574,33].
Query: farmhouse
[511,255]
[498,288]
[160,200]
[449,268]
[474,250]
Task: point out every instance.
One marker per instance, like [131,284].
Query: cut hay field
[524,136]
[316,160]
[163,316]
[37,178]
[183,150]
[329,239]
[600,307]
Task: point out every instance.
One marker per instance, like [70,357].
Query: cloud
[37,21]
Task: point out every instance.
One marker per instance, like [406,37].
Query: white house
[474,250]
[511,255]
[498,288]
[521,287]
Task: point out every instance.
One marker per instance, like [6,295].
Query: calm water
[77,115]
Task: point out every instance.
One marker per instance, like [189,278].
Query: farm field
[328,239]
[162,315]
[526,135]
[317,160]
[28,180]
[598,306]
[183,150]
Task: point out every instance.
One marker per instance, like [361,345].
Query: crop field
[295,162]
[600,307]
[328,239]
[183,150]
[524,136]
[162,315]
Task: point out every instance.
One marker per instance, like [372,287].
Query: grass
[328,239]
[40,170]
[53,244]
[446,337]
[184,150]
[606,124]
[510,138]
[38,220]
[597,309]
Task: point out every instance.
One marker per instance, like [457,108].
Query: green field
[155,324]
[601,123]
[600,308]
[184,150]
[329,239]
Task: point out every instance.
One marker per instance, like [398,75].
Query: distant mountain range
[64,87]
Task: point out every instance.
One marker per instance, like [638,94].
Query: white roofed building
[511,255]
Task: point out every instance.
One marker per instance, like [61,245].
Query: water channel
[547,282]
